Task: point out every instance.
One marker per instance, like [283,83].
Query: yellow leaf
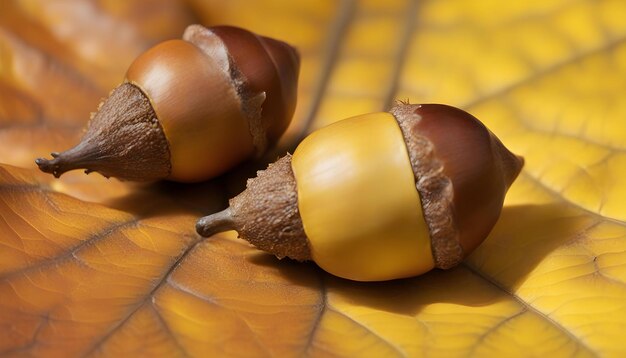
[96,267]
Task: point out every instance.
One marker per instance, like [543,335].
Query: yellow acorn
[379,196]
[190,109]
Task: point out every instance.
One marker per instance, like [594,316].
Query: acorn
[190,109]
[379,196]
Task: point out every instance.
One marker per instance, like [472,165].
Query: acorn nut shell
[379,196]
[190,109]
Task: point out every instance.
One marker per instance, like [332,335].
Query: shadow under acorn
[523,237]
[203,198]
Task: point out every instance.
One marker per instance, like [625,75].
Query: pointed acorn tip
[519,165]
[215,223]
[512,164]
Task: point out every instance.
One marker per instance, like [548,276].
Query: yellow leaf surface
[105,268]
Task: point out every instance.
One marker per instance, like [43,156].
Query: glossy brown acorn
[190,109]
[379,196]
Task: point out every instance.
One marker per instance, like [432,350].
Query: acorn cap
[265,214]
[462,173]
[124,139]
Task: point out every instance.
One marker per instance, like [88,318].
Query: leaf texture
[90,267]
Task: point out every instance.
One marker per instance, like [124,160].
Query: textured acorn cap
[462,174]
[124,139]
[265,214]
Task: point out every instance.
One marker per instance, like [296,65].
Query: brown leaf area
[96,267]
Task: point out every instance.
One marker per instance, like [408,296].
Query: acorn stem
[79,157]
[49,166]
[215,223]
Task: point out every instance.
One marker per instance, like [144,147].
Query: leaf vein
[528,307]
